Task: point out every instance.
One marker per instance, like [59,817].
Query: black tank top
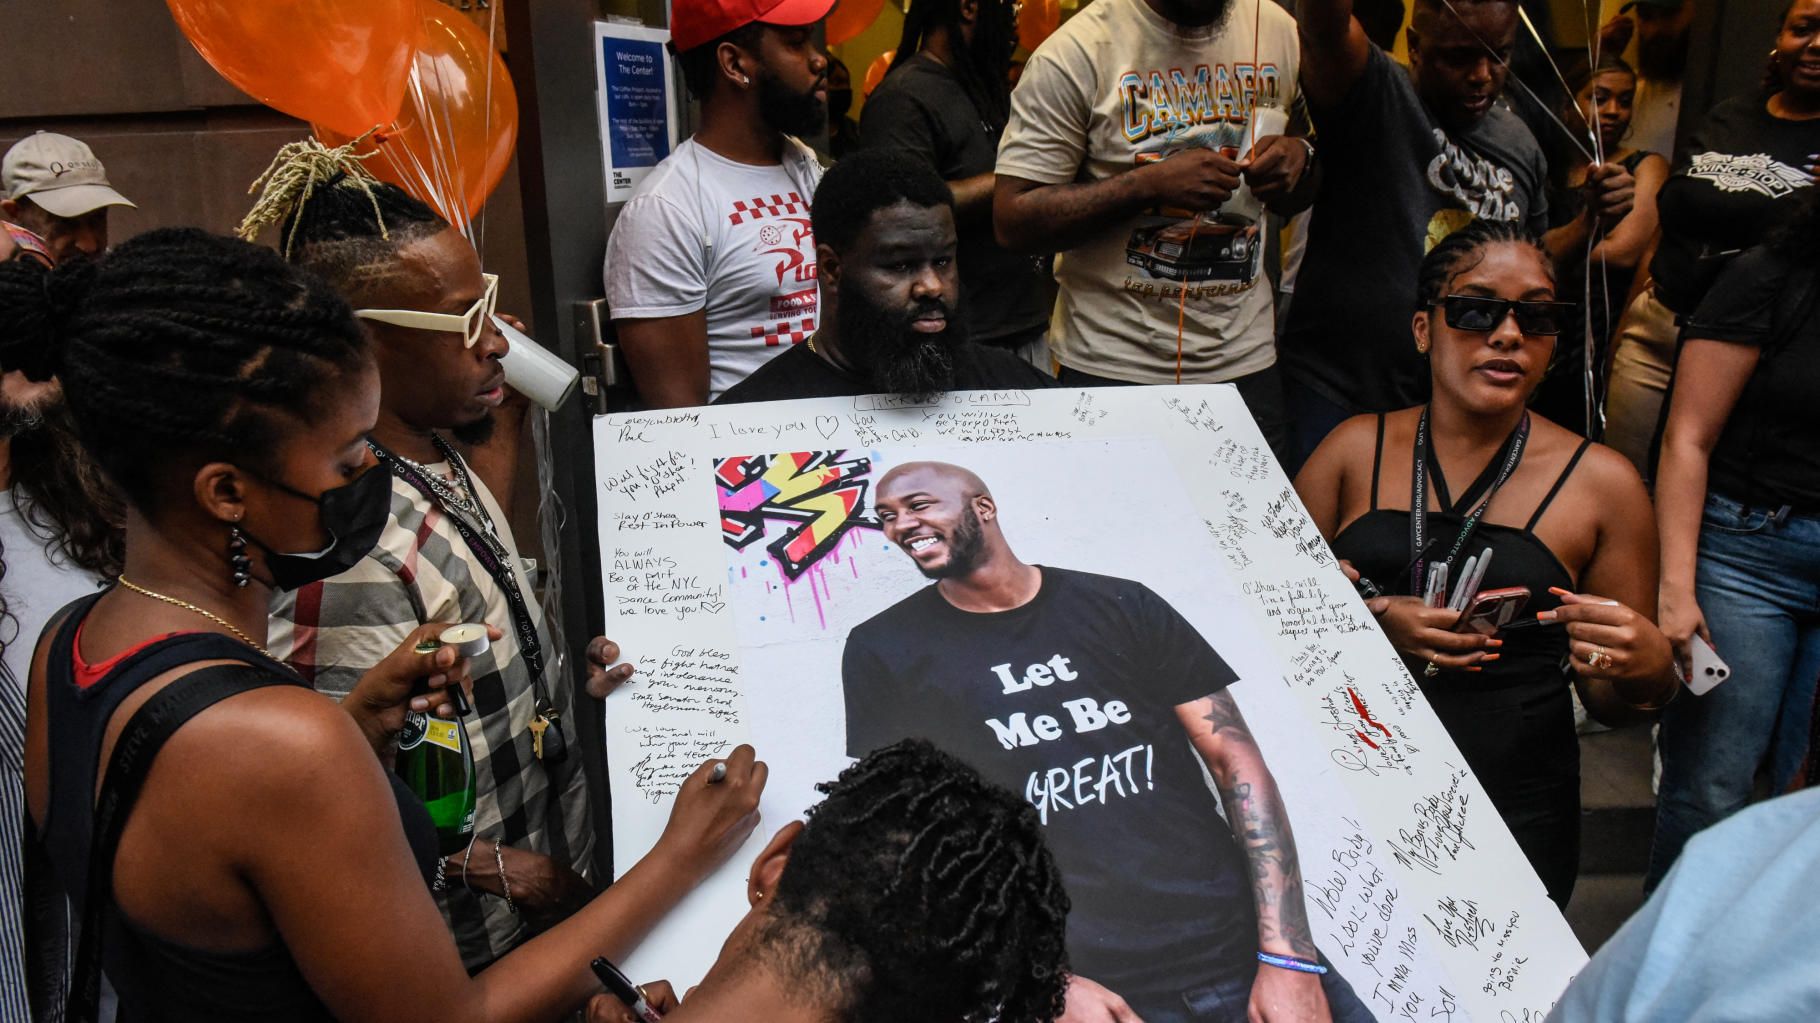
[158,979]
[1377,544]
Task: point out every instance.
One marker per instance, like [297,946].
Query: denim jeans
[1225,1001]
[1758,583]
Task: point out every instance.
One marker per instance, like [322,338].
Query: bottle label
[441,733]
[411,735]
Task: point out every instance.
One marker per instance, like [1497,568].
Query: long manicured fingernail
[1545,616]
[1475,669]
[1559,592]
[1494,643]
[1488,658]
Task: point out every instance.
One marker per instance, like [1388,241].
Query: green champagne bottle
[436,762]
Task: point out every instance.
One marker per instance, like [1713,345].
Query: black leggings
[1520,743]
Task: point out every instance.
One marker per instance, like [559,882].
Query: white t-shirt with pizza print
[704,231]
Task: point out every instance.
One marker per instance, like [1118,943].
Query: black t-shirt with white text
[1393,183]
[1738,175]
[1070,702]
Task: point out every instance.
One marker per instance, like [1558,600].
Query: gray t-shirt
[1394,183]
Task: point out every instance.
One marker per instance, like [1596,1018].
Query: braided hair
[337,220]
[919,891]
[1463,249]
[177,344]
[982,68]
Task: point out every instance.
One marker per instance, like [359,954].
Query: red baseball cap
[694,22]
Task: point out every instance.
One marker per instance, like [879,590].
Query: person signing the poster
[1075,690]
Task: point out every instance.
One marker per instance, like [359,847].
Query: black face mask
[354,515]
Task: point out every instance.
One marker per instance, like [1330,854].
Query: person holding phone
[1563,517]
[1739,509]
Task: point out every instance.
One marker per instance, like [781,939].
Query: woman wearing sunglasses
[1564,518]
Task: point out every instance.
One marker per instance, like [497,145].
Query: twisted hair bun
[37,304]
[178,343]
[919,890]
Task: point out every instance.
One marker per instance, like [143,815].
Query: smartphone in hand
[1708,670]
[1491,610]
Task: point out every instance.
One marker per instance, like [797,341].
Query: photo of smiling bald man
[1100,703]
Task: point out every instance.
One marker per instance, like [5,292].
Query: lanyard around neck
[483,542]
[1511,453]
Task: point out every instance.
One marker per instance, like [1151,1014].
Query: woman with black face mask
[249,856]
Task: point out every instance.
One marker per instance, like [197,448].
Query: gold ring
[1598,659]
[642,993]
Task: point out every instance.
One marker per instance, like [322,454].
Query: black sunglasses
[1482,315]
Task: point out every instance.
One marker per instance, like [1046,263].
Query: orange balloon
[449,146]
[851,17]
[1037,22]
[875,72]
[342,63]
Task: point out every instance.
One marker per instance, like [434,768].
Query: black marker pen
[623,989]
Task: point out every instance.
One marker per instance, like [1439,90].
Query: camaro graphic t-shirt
[1070,702]
[703,231]
[1117,87]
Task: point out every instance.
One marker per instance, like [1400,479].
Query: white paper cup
[1265,121]
[534,371]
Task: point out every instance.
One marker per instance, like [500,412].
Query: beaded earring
[243,566]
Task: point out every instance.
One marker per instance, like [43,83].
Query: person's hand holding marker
[716,809]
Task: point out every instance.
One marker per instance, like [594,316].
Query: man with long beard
[1078,690]
[946,99]
[885,252]
[711,266]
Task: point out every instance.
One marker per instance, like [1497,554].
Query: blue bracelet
[1291,963]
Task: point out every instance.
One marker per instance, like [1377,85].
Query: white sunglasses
[469,325]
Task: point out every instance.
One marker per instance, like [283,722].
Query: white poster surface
[747,570]
[634,90]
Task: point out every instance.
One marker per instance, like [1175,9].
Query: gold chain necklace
[187,606]
[812,350]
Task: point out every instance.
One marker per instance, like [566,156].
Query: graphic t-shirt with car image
[1118,87]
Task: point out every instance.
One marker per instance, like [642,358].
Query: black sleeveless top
[158,979]
[1377,544]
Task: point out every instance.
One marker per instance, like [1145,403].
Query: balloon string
[480,215]
[1595,408]
[1514,77]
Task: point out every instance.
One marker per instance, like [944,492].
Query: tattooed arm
[1254,808]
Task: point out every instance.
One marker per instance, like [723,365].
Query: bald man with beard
[1076,690]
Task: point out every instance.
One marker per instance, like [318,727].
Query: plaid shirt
[422,571]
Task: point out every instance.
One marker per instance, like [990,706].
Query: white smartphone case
[1708,669]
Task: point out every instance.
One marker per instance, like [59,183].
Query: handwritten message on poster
[746,566]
